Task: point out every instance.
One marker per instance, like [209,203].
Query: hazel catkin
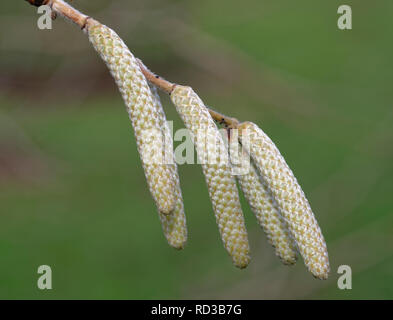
[290,198]
[221,184]
[262,204]
[144,116]
[173,224]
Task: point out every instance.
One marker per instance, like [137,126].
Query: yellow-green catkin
[221,184]
[173,224]
[262,203]
[290,198]
[143,114]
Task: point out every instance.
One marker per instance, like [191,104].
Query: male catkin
[144,115]
[265,207]
[221,184]
[173,224]
[270,187]
[290,197]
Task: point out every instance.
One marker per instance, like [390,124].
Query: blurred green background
[72,190]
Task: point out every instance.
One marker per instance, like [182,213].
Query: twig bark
[168,87]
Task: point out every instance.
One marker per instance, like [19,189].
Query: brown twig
[156,80]
[64,9]
[168,87]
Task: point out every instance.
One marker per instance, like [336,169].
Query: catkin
[221,184]
[264,206]
[290,197]
[173,225]
[143,114]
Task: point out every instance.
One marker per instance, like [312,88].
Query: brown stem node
[38,3]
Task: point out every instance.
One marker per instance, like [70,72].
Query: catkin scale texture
[221,184]
[142,112]
[173,224]
[292,202]
[265,208]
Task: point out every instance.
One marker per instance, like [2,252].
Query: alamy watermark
[344,22]
[44,282]
[344,281]
[45,19]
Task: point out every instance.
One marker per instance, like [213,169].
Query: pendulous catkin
[221,184]
[292,202]
[270,186]
[264,206]
[144,115]
[173,224]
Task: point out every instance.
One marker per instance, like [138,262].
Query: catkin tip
[321,276]
[178,246]
[319,272]
[242,264]
[289,261]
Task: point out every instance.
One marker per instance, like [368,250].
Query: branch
[64,9]
[168,87]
